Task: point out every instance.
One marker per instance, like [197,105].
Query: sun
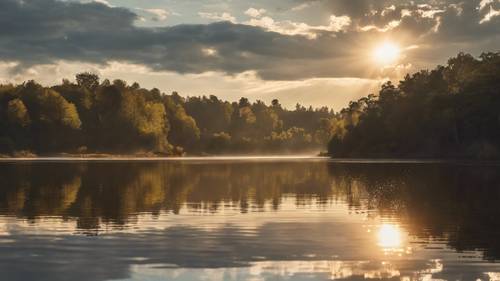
[386,53]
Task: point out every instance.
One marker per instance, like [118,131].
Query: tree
[54,109]
[120,118]
[450,111]
[184,131]
[87,80]
[17,113]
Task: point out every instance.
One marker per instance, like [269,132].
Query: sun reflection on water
[390,237]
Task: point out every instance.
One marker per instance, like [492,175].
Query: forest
[452,111]
[90,116]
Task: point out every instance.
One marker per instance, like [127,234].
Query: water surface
[249,219]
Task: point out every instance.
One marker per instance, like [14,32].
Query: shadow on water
[454,203]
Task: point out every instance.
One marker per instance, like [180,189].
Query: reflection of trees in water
[456,202]
[33,191]
[459,203]
[116,193]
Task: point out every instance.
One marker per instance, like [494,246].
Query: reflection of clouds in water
[3,228]
[494,276]
[4,232]
[285,270]
[295,251]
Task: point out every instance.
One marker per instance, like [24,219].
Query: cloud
[359,8]
[391,25]
[158,14]
[335,24]
[176,251]
[491,14]
[47,31]
[42,32]
[218,17]
[255,13]
[103,2]
[338,23]
[484,3]
[304,6]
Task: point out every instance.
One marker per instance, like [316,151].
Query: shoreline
[246,158]
[161,158]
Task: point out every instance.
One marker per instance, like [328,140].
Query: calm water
[249,219]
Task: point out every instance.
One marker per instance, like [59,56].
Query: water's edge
[240,158]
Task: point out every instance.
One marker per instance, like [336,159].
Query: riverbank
[150,155]
[158,157]
[30,155]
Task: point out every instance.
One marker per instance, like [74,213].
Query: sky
[313,52]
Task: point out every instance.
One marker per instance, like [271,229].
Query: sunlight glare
[386,53]
[389,236]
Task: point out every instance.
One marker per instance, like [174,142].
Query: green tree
[184,131]
[450,111]
[87,80]
[17,113]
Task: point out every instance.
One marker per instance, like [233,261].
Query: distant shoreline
[247,158]
[162,158]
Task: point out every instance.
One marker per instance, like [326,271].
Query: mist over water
[250,218]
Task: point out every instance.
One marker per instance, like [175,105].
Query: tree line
[93,116]
[452,111]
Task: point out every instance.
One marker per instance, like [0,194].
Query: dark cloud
[440,28]
[358,8]
[456,20]
[461,22]
[44,31]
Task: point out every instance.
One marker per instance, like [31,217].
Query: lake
[249,219]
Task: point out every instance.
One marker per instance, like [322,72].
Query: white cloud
[305,5]
[158,14]
[430,13]
[210,52]
[301,7]
[491,14]
[391,25]
[485,3]
[335,24]
[388,10]
[103,2]
[218,17]
[255,13]
[338,23]
[405,13]
[283,27]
